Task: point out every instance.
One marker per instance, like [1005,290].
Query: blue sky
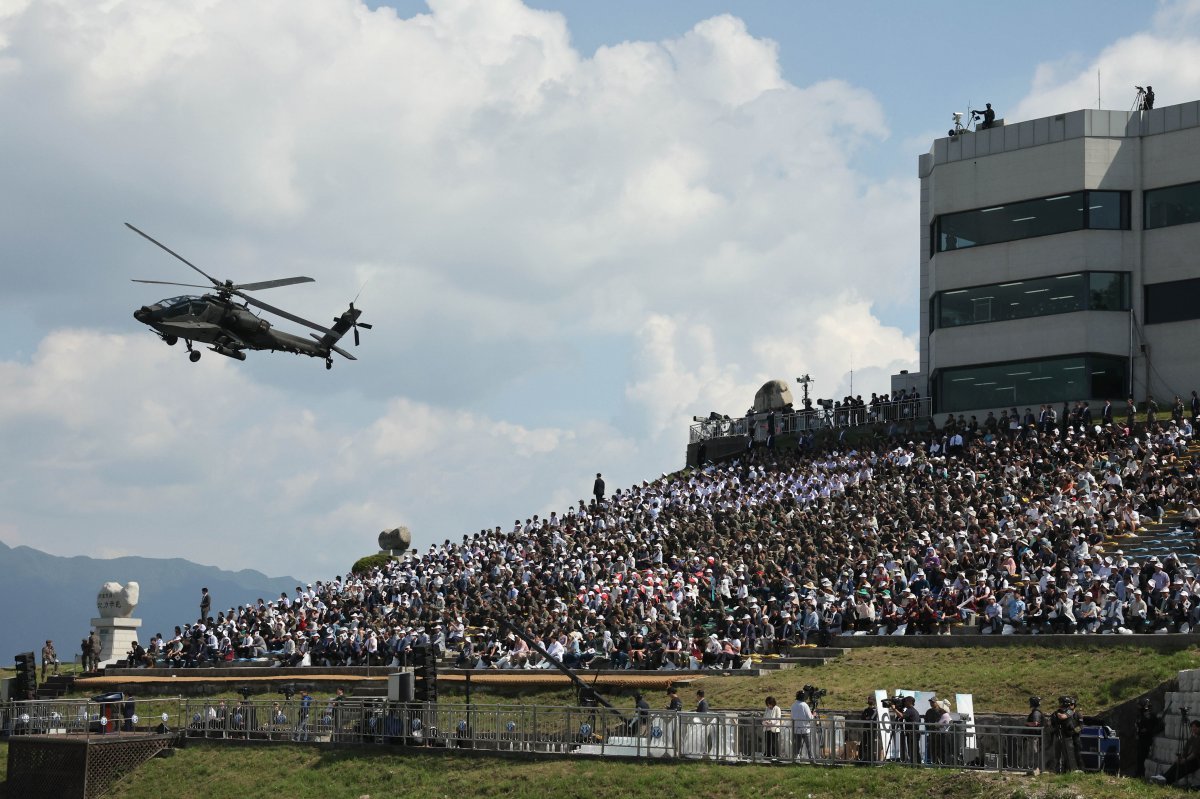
[578,225]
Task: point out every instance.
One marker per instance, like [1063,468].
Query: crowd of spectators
[1010,528]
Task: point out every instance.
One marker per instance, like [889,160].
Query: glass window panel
[1109,291]
[1173,301]
[1024,299]
[1030,383]
[1174,205]
[1012,221]
[1106,210]
[1108,377]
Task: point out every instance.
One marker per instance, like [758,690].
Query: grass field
[301,772]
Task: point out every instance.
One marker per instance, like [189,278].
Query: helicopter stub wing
[198,330]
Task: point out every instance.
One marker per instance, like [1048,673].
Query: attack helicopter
[230,327]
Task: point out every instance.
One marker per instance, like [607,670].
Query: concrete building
[1061,261]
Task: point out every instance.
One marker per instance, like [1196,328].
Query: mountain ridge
[61,590]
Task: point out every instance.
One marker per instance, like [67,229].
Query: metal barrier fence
[84,717]
[723,736]
[760,426]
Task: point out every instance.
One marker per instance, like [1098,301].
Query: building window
[1173,205]
[1031,383]
[1022,299]
[1081,210]
[1175,301]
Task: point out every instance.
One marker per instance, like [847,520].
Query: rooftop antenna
[1097,88]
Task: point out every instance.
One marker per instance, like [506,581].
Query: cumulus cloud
[565,257]
[1164,55]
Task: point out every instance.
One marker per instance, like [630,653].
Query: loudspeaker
[401,687]
[26,683]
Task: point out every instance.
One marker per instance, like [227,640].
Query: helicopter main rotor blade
[157,243]
[169,283]
[270,284]
[280,312]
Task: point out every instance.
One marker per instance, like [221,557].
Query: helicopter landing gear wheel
[194,356]
[171,340]
[329,363]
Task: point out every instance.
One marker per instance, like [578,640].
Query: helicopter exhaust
[237,355]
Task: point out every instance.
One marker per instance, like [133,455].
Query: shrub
[369,563]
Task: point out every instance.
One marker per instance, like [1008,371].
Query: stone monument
[775,395]
[395,541]
[116,628]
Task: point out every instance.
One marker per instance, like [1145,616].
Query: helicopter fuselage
[226,325]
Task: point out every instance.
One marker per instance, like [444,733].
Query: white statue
[115,601]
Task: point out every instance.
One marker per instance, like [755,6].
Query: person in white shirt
[802,722]
[772,726]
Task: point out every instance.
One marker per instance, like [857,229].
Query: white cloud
[1164,56]
[666,224]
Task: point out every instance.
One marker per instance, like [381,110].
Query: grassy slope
[302,772]
[1001,679]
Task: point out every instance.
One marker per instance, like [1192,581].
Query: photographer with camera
[802,721]
[989,117]
[1187,761]
[1146,97]
[1065,727]
[910,730]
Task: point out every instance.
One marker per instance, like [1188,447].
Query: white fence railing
[735,736]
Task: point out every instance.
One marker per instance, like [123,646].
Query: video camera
[813,695]
[288,691]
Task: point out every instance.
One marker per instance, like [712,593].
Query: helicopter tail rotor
[341,326]
[355,324]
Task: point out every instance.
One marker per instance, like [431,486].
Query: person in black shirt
[1148,725]
[673,700]
[1148,99]
[868,749]
[1034,723]
[909,752]
[1062,724]
[989,117]
[1187,762]
[598,488]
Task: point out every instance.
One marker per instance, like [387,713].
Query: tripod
[1139,99]
[1182,736]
